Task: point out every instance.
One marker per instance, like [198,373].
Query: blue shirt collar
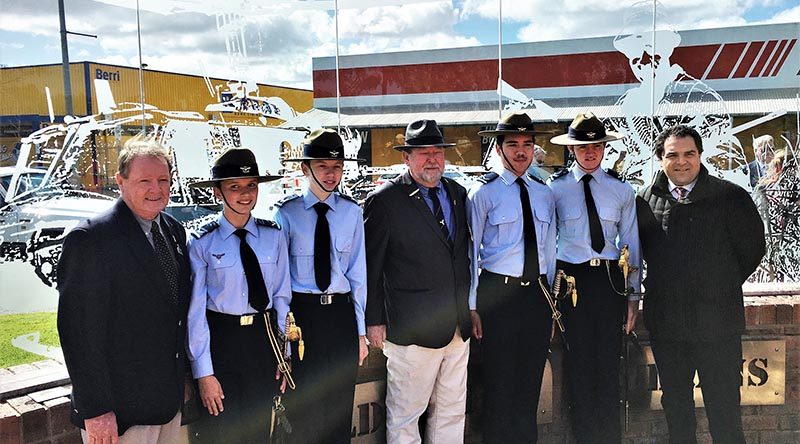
[509,177]
[310,199]
[227,229]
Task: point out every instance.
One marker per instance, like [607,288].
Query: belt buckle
[524,283]
[245,320]
[594,262]
[325,299]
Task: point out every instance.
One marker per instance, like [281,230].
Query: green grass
[14,325]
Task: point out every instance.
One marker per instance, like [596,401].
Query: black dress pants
[594,332]
[516,324]
[245,366]
[718,364]
[320,409]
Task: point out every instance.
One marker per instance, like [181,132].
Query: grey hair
[141,146]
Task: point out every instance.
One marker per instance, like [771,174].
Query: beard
[430,176]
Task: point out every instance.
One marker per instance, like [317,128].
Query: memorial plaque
[763,375]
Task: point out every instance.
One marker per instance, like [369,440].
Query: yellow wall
[23,89]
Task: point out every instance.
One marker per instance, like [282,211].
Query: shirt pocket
[267,260]
[223,268]
[543,216]
[301,256]
[506,222]
[344,248]
[609,219]
[569,220]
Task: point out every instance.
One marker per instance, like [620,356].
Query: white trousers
[420,378]
[169,433]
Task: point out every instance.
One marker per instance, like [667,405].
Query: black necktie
[438,214]
[165,260]
[257,294]
[322,248]
[595,229]
[530,267]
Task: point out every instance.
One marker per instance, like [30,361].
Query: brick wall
[43,415]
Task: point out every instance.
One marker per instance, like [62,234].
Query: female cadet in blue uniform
[325,231]
[512,219]
[596,215]
[240,271]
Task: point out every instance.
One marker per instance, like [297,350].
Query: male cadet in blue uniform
[512,217]
[417,243]
[596,213]
[240,270]
[325,232]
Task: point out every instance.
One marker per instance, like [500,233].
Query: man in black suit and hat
[123,282]
[418,278]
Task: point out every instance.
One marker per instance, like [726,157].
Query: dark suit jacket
[123,338]
[417,284]
[698,253]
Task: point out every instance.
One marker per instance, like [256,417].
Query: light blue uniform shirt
[616,206]
[298,219]
[219,283]
[495,218]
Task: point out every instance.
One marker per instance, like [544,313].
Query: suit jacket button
[177,355]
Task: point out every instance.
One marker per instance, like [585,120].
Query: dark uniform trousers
[718,363]
[516,324]
[245,366]
[594,332]
[320,409]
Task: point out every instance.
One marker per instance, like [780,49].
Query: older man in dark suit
[418,278]
[123,281]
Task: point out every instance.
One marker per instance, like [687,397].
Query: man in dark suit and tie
[123,282]
[418,279]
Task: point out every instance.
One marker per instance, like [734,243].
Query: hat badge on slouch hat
[234,163]
[323,144]
[423,133]
[515,123]
[586,129]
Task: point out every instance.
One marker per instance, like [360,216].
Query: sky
[274,42]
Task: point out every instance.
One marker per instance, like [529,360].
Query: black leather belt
[229,320]
[321,299]
[510,280]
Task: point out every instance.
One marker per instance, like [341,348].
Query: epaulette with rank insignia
[536,179]
[559,174]
[614,174]
[267,223]
[346,197]
[286,199]
[205,229]
[488,177]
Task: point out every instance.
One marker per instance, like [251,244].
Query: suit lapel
[411,190]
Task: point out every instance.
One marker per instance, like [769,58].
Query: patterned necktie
[257,294]
[530,267]
[438,214]
[595,229]
[322,248]
[166,261]
[682,193]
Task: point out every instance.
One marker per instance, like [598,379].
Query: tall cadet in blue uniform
[240,269]
[512,217]
[596,214]
[325,232]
